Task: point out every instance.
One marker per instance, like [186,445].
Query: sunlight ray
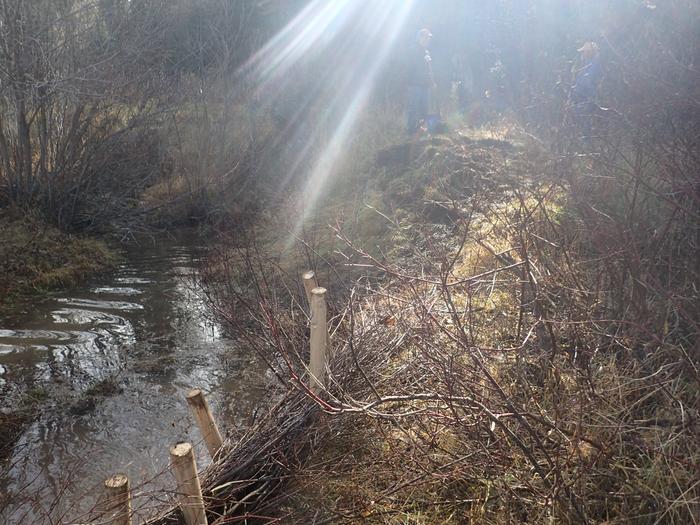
[382,26]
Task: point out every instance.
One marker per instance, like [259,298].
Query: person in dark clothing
[584,93]
[419,82]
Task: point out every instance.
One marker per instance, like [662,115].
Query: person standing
[584,93]
[419,82]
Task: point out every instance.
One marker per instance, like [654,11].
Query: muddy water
[107,366]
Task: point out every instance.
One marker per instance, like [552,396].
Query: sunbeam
[383,27]
[371,30]
[315,23]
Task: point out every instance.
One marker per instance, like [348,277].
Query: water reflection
[79,316]
[112,375]
[116,290]
[102,305]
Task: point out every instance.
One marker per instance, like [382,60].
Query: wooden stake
[205,421]
[118,504]
[319,338]
[185,470]
[310,283]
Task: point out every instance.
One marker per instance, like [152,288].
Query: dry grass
[36,257]
[515,393]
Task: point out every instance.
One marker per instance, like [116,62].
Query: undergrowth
[536,364]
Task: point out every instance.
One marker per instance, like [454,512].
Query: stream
[107,366]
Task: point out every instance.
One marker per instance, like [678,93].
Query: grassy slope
[35,257]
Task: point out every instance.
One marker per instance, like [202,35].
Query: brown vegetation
[35,256]
[514,317]
[505,372]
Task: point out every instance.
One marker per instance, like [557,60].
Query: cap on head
[588,47]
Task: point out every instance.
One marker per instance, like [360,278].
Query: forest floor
[482,371]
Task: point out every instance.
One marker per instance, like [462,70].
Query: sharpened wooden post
[205,421]
[319,338]
[310,283]
[185,470]
[118,504]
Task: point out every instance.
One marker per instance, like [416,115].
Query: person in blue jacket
[584,93]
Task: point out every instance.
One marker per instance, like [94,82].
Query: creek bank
[501,377]
[419,201]
[405,208]
[36,257]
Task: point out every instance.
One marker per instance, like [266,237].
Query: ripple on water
[94,303]
[79,316]
[116,290]
[133,280]
[80,342]
[18,336]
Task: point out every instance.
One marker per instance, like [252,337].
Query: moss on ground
[35,257]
